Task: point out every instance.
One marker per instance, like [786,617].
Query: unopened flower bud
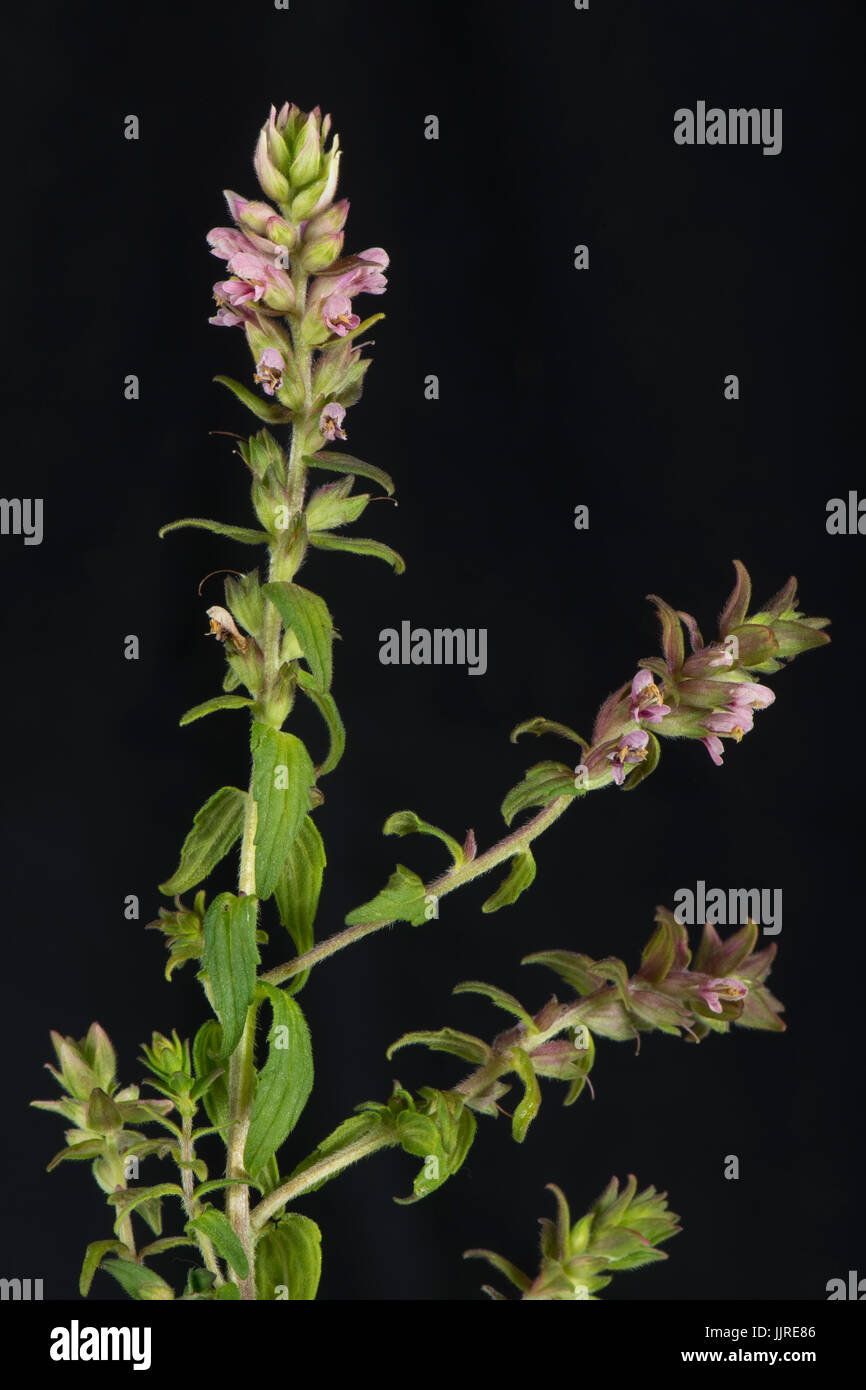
[281,232]
[273,182]
[319,254]
[252,216]
[308,152]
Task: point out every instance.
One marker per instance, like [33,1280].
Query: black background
[558,387]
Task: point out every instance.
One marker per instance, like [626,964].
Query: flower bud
[308,152]
[273,182]
[319,254]
[319,195]
[281,232]
[251,216]
[333,219]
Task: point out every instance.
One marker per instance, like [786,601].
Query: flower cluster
[271,254]
[710,695]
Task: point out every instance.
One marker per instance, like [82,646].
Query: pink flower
[227,318]
[712,991]
[269,370]
[631,749]
[747,693]
[366,279]
[331,420]
[265,281]
[736,721]
[231,297]
[646,699]
[226,242]
[715,748]
[337,314]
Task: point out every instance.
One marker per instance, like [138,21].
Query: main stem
[284,562]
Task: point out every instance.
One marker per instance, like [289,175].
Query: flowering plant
[293,293]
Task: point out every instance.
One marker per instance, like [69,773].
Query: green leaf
[504,1266]
[216,1184]
[540,725]
[244,534]
[227,1293]
[297,892]
[271,412]
[284,1083]
[229,960]
[207,1053]
[359,545]
[218,702]
[526,1111]
[500,997]
[308,617]
[327,707]
[261,452]
[542,784]
[346,463]
[215,829]
[222,1235]
[289,1258]
[407,823]
[93,1257]
[140,1283]
[126,1200]
[520,876]
[335,504]
[282,777]
[648,765]
[577,970]
[463,1045]
[403,899]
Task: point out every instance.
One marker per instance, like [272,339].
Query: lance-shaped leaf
[289,1259]
[283,776]
[403,899]
[407,823]
[500,997]
[540,725]
[218,702]
[464,1045]
[270,411]
[207,1053]
[673,645]
[359,545]
[297,892]
[577,970]
[735,610]
[327,707]
[229,961]
[346,463]
[215,829]
[527,1109]
[308,617]
[222,1235]
[140,1283]
[520,876]
[284,1083]
[93,1257]
[245,534]
[511,1272]
[542,784]
[127,1200]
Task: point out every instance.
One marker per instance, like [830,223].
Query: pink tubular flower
[337,314]
[631,749]
[715,748]
[269,370]
[736,721]
[264,282]
[715,990]
[646,699]
[226,242]
[331,421]
[747,693]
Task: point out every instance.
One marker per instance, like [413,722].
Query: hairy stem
[316,1173]
[446,883]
